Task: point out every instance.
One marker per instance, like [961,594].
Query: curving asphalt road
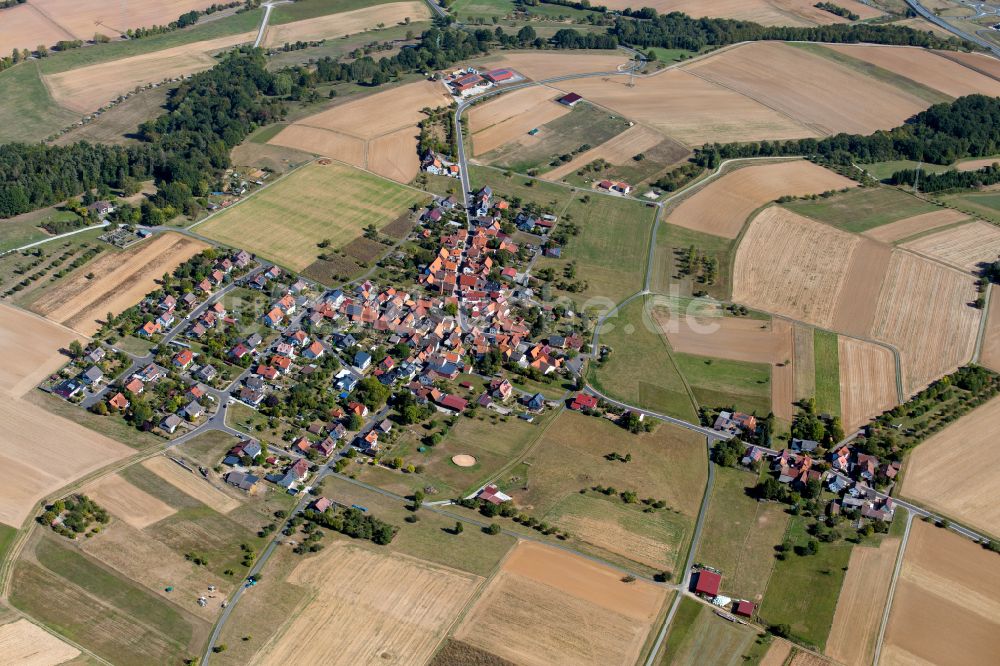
[940,22]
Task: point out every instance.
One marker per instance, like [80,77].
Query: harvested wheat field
[722,207]
[790,265]
[539,65]
[862,600]
[688,108]
[370,608]
[926,312]
[346,23]
[121,280]
[957,470]
[26,644]
[512,116]
[918,224]
[123,500]
[989,352]
[191,484]
[778,653]
[548,606]
[815,91]
[139,556]
[965,247]
[619,150]
[946,606]
[24,27]
[855,311]
[985,64]
[795,13]
[88,88]
[378,132]
[30,347]
[924,67]
[83,18]
[867,381]
[40,453]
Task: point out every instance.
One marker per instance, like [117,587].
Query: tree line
[949,180]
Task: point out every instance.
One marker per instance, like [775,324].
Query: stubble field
[814,91]
[24,27]
[722,207]
[866,271]
[539,65]
[965,247]
[120,281]
[547,606]
[286,221]
[945,608]
[764,12]
[867,381]
[988,65]
[925,311]
[369,607]
[345,23]
[27,644]
[861,603]
[918,224]
[619,150]
[789,265]
[512,115]
[191,484]
[989,353]
[130,503]
[955,470]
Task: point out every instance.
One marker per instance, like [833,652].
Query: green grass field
[527,189]
[698,636]
[474,10]
[719,382]
[667,464]
[984,204]
[343,46]
[7,535]
[585,125]
[670,55]
[307,9]
[803,590]
[286,221]
[861,209]
[882,170]
[640,370]
[26,228]
[100,610]
[740,533]
[28,112]
[827,373]
[669,240]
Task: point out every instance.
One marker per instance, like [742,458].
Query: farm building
[744,608]
[467,82]
[569,99]
[499,75]
[707,583]
[583,401]
[493,495]
[620,188]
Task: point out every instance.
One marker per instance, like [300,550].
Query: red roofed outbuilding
[744,608]
[707,583]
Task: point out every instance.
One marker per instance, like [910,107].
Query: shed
[707,583]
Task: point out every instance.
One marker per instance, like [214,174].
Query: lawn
[985,204]
[28,113]
[640,370]
[611,249]
[740,533]
[670,240]
[431,537]
[803,590]
[861,209]
[670,55]
[719,382]
[287,220]
[208,448]
[667,464]
[507,185]
[698,636]
[102,611]
[827,373]
[582,128]
[7,535]
[24,229]
[882,170]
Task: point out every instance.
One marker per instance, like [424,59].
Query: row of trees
[949,180]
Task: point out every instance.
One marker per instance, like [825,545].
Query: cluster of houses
[470,81]
[90,377]
[438,165]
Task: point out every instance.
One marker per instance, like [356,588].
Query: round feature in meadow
[464,460]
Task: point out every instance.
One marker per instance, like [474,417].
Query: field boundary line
[981,335]
[892,590]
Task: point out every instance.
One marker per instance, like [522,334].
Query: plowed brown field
[867,381]
[957,471]
[121,280]
[986,64]
[945,608]
[924,67]
[548,606]
[790,265]
[346,23]
[370,608]
[861,603]
[765,12]
[723,206]
[377,132]
[688,108]
[27,644]
[911,226]
[808,88]
[965,247]
[925,311]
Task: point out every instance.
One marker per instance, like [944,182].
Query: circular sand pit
[463,460]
